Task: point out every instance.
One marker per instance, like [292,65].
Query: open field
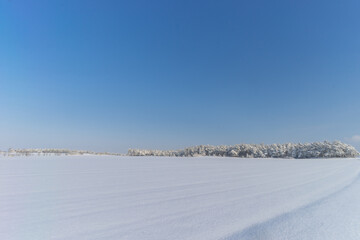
[133,198]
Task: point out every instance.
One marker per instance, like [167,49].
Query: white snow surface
[155,198]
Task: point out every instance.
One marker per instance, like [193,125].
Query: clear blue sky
[113,75]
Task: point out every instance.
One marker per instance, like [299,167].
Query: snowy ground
[140,198]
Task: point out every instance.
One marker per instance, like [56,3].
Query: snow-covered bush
[288,150]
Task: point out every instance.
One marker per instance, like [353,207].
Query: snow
[155,198]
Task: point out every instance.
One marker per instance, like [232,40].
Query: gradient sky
[113,75]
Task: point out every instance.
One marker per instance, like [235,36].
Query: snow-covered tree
[289,150]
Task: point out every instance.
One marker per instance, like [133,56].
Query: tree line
[288,150]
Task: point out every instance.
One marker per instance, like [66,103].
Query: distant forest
[30,152]
[289,150]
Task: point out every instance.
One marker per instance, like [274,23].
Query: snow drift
[289,150]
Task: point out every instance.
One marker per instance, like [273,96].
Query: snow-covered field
[140,198]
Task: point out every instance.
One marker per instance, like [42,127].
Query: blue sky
[113,75]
